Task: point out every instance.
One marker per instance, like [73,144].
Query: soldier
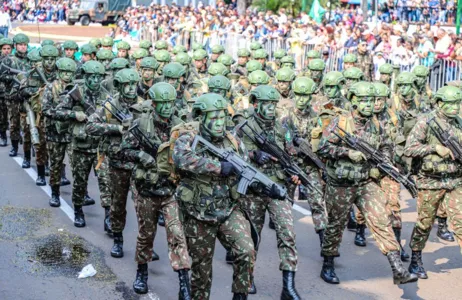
[204,179]
[196,46]
[163,58]
[310,55]
[152,190]
[352,75]
[200,64]
[243,56]
[349,61]
[351,180]
[217,50]
[254,46]
[122,49]
[331,89]
[365,61]
[287,62]
[315,71]
[386,73]
[227,60]
[285,76]
[47,43]
[389,121]
[70,48]
[105,57]
[95,42]
[88,53]
[107,43]
[174,74]
[56,125]
[6,46]
[137,56]
[261,55]
[17,61]
[240,96]
[116,65]
[301,122]
[103,123]
[278,55]
[264,98]
[177,50]
[148,67]
[146,45]
[185,60]
[421,74]
[438,172]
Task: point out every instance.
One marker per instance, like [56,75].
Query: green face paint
[214,123]
[301,102]
[164,109]
[365,105]
[267,109]
[49,63]
[129,90]
[93,81]
[147,74]
[332,91]
[379,104]
[450,109]
[405,89]
[66,76]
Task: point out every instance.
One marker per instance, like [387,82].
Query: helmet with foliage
[285,74]
[303,86]
[66,64]
[333,78]
[162,92]
[258,77]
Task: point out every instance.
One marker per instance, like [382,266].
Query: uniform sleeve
[47,103]
[130,147]
[98,126]
[330,145]
[188,160]
[416,144]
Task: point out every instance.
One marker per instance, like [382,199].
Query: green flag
[317,12]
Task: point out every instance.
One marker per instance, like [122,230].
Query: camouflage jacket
[102,123]
[57,123]
[158,132]
[12,64]
[433,171]
[79,72]
[341,170]
[142,90]
[32,88]
[238,69]
[285,102]
[408,111]
[108,84]
[204,194]
[366,65]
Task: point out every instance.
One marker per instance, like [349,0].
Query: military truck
[101,11]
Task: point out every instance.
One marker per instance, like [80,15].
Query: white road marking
[301,210]
[69,211]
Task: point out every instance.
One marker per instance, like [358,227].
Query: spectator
[5,22]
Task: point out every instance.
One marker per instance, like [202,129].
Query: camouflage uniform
[365,64]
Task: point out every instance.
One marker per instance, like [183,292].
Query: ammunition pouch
[435,165]
[348,171]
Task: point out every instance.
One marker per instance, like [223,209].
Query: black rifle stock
[145,143]
[247,174]
[446,139]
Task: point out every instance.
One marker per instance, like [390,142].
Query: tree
[292,7]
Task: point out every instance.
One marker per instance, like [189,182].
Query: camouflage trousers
[82,164]
[316,202]
[428,202]
[371,201]
[233,234]
[147,208]
[14,120]
[26,138]
[104,182]
[3,115]
[41,151]
[57,151]
[281,214]
[120,180]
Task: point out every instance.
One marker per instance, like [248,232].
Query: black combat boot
[161,219]
[87,200]
[404,255]
[416,265]
[271,224]
[117,250]
[351,225]
[185,287]
[14,148]
[239,296]
[79,220]
[155,256]
[360,239]
[328,271]
[54,200]
[40,181]
[64,180]
[400,274]
[289,292]
[107,220]
[47,170]
[229,257]
[253,287]
[140,286]
[443,232]
[3,139]
[26,160]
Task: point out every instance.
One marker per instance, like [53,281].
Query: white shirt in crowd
[5,20]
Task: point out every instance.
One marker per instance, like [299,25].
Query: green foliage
[292,7]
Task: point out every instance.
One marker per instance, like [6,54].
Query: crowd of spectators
[45,11]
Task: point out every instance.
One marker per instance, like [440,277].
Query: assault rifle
[305,148]
[283,157]
[446,139]
[376,158]
[145,143]
[73,92]
[248,175]
[116,112]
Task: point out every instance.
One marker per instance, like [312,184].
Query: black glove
[226,168]
[261,157]
[277,193]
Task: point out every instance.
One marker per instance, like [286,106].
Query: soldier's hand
[296,180]
[226,168]
[374,173]
[80,116]
[127,122]
[146,160]
[444,152]
[316,132]
[261,157]
[356,156]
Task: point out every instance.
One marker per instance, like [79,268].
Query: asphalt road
[42,253]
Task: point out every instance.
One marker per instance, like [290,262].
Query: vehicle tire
[85,20]
[69,22]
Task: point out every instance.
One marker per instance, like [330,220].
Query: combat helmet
[258,77]
[303,86]
[162,92]
[285,74]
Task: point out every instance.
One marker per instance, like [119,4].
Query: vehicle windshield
[87,5]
